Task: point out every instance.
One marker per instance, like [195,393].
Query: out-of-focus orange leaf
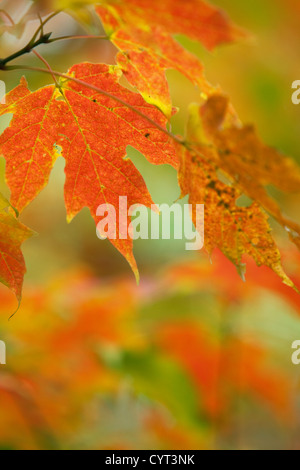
[143,31]
[216,144]
[219,370]
[12,264]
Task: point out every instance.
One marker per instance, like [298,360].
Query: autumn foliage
[92,119]
[91,114]
[192,369]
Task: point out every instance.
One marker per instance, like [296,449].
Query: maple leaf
[197,19]
[244,158]
[12,264]
[215,143]
[93,130]
[143,32]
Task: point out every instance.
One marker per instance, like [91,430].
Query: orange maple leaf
[143,32]
[12,264]
[216,142]
[93,131]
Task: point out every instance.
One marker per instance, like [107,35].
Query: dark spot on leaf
[212,184]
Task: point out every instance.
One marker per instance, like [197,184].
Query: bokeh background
[193,358]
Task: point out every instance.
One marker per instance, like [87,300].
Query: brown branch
[33,43]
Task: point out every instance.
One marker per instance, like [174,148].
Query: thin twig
[25,50]
[41,24]
[33,43]
[50,17]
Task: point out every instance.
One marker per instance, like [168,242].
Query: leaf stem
[48,67]
[65,38]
